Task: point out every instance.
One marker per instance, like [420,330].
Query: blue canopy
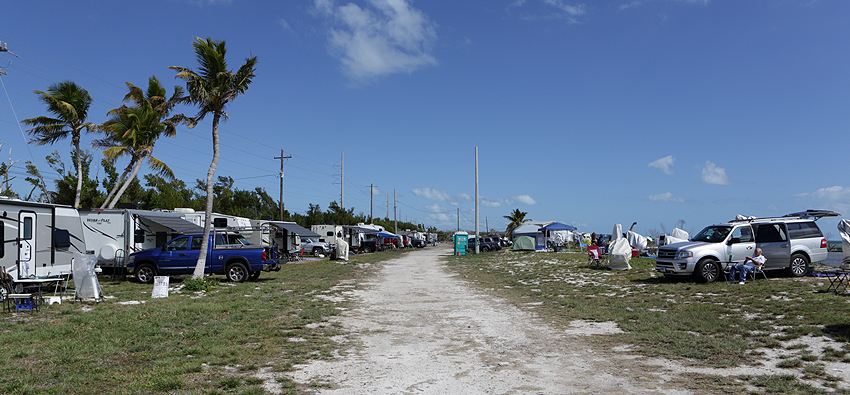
[558,226]
[386,235]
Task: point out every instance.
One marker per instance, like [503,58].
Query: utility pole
[282,158]
[486,226]
[371,203]
[458,219]
[388,206]
[4,47]
[477,238]
[341,182]
[395,212]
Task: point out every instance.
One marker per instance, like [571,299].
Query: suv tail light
[822,243]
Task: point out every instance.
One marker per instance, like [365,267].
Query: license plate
[661,269]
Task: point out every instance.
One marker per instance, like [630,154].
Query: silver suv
[789,243]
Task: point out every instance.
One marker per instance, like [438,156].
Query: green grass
[212,341]
[716,325]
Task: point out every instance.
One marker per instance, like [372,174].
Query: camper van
[38,239]
[328,233]
[113,234]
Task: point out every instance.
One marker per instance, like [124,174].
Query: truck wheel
[707,270]
[485,249]
[254,275]
[367,249]
[317,251]
[237,272]
[799,265]
[145,273]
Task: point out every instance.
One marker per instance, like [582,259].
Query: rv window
[330,233]
[61,239]
[139,236]
[27,228]
[220,222]
[161,238]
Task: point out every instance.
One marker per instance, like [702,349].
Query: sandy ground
[420,330]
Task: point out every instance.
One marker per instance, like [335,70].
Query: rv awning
[175,223]
[363,229]
[295,228]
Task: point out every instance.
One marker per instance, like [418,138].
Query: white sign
[160,287]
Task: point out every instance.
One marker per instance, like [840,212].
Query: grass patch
[187,343]
[718,324]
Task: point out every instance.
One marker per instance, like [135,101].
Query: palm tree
[134,131]
[517,218]
[69,103]
[211,89]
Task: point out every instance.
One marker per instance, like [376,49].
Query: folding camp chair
[596,257]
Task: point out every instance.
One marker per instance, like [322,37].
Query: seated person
[750,264]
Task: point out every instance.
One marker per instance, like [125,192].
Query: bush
[193,285]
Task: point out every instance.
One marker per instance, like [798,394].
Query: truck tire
[254,276]
[317,251]
[707,270]
[145,273]
[367,249]
[237,272]
[799,265]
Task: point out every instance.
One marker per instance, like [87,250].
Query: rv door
[26,244]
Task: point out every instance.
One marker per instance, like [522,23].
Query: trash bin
[460,241]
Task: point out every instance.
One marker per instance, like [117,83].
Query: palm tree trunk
[76,141]
[202,257]
[117,184]
[126,183]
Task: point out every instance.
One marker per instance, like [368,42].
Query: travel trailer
[280,236]
[113,234]
[38,239]
[329,233]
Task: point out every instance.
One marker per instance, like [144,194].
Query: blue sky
[589,113]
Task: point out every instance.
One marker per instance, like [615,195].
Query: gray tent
[523,243]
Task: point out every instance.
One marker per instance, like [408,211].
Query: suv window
[713,234]
[802,230]
[743,233]
[770,233]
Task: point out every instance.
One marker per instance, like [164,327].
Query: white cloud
[712,174]
[441,219]
[385,37]
[490,203]
[464,196]
[665,197]
[432,194]
[574,10]
[284,24]
[636,3]
[832,194]
[435,208]
[664,164]
[525,199]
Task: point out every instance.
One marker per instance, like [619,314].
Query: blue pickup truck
[238,262]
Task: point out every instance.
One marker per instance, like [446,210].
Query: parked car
[789,243]
[485,245]
[237,262]
[370,243]
[314,247]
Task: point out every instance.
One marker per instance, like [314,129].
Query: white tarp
[844,230]
[85,279]
[741,217]
[619,254]
[617,232]
[342,249]
[637,241]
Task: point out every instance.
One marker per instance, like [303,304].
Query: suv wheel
[485,249]
[317,251]
[707,270]
[799,265]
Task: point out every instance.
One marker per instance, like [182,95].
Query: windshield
[712,234]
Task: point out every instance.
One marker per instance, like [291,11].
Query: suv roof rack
[814,215]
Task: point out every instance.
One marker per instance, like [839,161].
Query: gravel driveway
[417,329]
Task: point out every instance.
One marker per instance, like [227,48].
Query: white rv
[113,234]
[38,239]
[280,236]
[236,229]
[329,233]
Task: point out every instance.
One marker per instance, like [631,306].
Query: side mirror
[734,240]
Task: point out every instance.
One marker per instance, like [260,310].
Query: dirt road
[420,330]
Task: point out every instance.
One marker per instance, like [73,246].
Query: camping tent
[619,254]
[558,226]
[534,232]
[523,243]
